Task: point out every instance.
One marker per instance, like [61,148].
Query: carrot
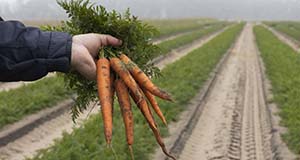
[143,106]
[112,80]
[119,67]
[124,101]
[154,105]
[104,93]
[143,79]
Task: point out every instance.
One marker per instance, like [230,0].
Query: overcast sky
[224,9]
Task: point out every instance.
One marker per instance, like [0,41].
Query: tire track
[234,123]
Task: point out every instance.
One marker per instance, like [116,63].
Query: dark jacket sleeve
[27,54]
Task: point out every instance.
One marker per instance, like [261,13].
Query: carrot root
[119,67]
[155,106]
[143,79]
[125,106]
[104,93]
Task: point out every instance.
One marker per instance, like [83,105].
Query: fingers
[108,40]
[85,49]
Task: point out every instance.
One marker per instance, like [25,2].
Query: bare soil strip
[235,121]
[285,38]
[43,134]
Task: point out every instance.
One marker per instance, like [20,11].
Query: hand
[85,49]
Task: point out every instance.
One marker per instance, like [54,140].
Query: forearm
[26,53]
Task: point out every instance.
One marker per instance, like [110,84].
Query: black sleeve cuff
[58,47]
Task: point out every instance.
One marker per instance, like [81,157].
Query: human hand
[85,49]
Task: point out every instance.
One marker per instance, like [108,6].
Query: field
[188,83]
[212,69]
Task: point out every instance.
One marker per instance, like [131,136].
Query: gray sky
[224,9]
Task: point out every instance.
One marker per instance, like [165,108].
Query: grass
[283,70]
[167,46]
[291,29]
[172,26]
[15,104]
[183,79]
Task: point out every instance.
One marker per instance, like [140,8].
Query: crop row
[283,70]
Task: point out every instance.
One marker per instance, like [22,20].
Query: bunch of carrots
[121,75]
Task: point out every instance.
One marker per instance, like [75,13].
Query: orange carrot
[143,79]
[104,93]
[119,67]
[124,101]
[112,80]
[154,105]
[143,106]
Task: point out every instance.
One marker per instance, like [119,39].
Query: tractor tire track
[235,121]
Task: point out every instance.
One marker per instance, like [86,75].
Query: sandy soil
[43,135]
[234,123]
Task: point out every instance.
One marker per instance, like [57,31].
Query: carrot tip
[168,154]
[108,145]
[171,99]
[165,123]
[131,152]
